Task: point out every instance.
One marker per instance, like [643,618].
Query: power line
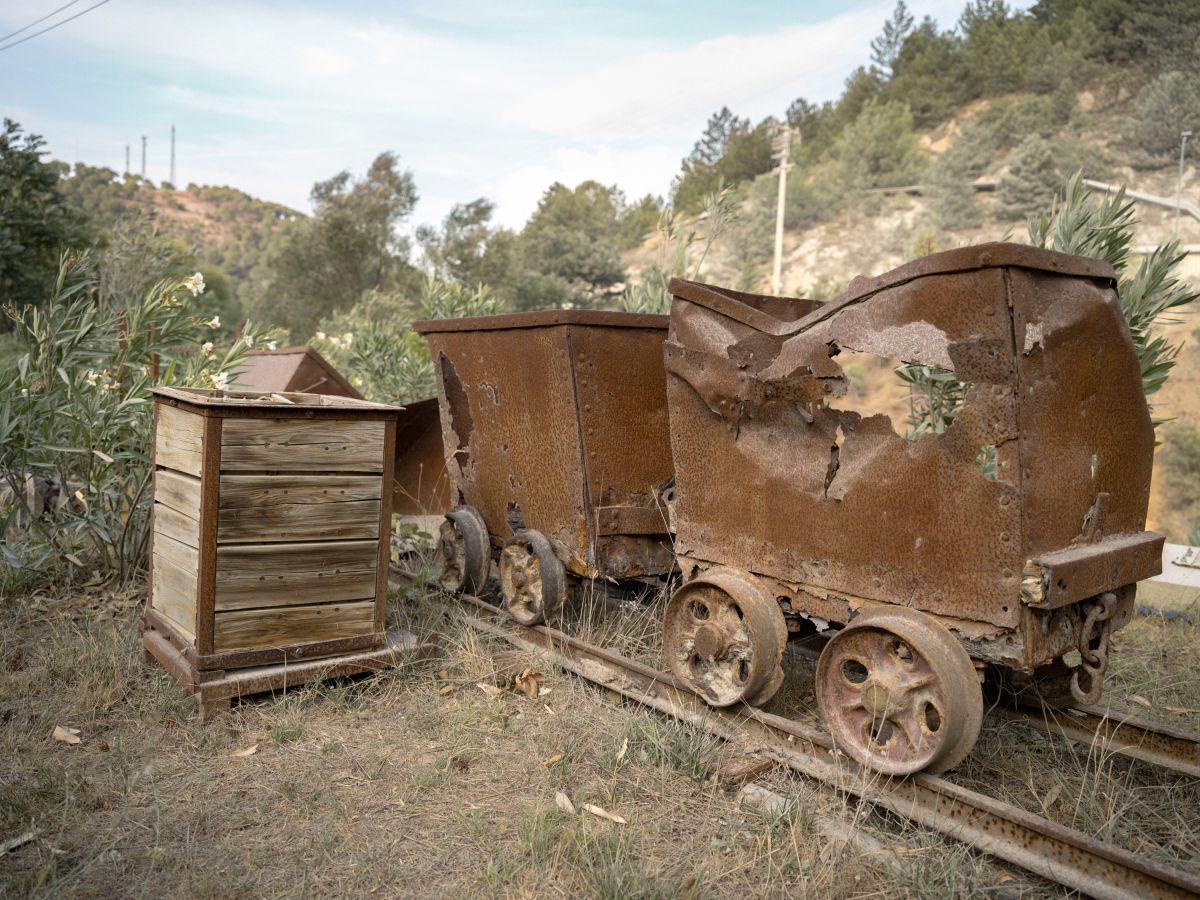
[37,21]
[52,27]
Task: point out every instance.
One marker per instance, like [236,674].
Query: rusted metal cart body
[1018,530]
[555,423]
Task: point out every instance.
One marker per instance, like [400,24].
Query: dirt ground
[418,782]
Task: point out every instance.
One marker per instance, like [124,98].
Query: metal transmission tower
[172,156]
[126,159]
[143,156]
[783,141]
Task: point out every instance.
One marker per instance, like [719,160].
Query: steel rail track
[1034,843]
[1106,730]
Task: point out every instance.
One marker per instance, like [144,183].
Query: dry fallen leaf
[604,814]
[66,735]
[26,836]
[1181,710]
[491,690]
[563,802]
[557,757]
[447,689]
[1051,796]
[529,682]
[624,749]
[1140,700]
[248,751]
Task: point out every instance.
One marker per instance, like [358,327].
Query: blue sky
[479,99]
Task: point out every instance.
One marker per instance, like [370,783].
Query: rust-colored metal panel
[421,486]
[1087,442]
[546,416]
[777,474]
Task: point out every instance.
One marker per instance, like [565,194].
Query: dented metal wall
[550,418]
[777,474]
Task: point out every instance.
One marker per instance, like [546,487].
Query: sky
[479,99]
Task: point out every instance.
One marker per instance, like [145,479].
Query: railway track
[1052,851]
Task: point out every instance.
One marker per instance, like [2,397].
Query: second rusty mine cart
[555,433]
[1000,541]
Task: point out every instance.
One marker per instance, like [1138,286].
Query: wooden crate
[271,523]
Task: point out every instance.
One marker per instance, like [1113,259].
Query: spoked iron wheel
[899,694]
[532,579]
[462,551]
[724,634]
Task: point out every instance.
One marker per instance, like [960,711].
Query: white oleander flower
[207,347]
[270,345]
[92,377]
[220,380]
[195,284]
[320,335]
[214,322]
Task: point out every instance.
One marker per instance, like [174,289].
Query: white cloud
[271,101]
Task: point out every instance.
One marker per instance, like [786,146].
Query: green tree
[469,251]
[570,247]
[950,190]
[729,152]
[885,49]
[880,148]
[35,222]
[1165,107]
[1031,182]
[349,246]
[929,74]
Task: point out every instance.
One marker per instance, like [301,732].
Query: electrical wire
[50,27]
[38,21]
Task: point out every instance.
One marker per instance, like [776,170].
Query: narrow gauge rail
[1052,851]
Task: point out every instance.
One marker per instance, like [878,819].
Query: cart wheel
[532,579]
[899,693]
[724,634]
[462,551]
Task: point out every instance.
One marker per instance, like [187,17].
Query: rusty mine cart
[995,547]
[1011,539]
[555,431]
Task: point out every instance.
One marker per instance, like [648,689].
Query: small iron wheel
[899,694]
[724,634]
[462,551]
[532,579]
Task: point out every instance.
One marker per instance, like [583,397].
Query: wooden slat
[179,491]
[176,525]
[178,439]
[176,552]
[257,575]
[210,483]
[173,595]
[299,522]
[292,624]
[238,491]
[301,445]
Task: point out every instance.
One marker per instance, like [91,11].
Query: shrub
[1031,181]
[1165,107]
[76,417]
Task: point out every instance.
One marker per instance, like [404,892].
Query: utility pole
[1183,139]
[143,157]
[783,140]
[126,159]
[172,156]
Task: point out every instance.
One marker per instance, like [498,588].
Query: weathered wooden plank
[179,491]
[256,576]
[299,522]
[300,445]
[238,491]
[178,439]
[176,552]
[173,595]
[292,624]
[176,525]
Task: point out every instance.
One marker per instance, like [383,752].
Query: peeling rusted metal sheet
[547,416]
[777,474]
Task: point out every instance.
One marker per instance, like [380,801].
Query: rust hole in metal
[933,719]
[700,611]
[459,406]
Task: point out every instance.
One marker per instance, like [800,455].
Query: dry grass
[417,782]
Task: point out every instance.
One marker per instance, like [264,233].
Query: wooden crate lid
[211,401]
